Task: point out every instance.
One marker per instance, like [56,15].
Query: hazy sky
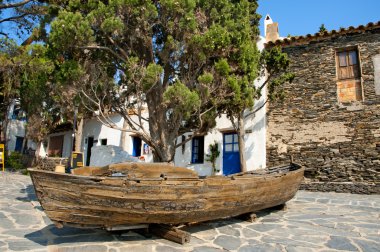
[300,17]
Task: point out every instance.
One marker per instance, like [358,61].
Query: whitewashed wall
[16,128]
[94,128]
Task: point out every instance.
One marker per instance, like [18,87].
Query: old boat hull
[92,201]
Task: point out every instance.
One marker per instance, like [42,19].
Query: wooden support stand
[170,233]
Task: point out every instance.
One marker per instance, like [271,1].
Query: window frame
[357,66]
[103,141]
[197,149]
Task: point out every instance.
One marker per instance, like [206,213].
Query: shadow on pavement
[30,194]
[56,236]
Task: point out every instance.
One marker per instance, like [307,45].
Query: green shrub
[14,161]
[214,154]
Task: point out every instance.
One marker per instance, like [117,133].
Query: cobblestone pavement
[311,222]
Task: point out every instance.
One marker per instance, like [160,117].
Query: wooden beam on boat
[170,233]
[138,170]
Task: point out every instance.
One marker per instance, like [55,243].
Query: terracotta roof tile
[301,40]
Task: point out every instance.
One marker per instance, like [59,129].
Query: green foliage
[188,61]
[275,60]
[276,63]
[322,29]
[14,161]
[183,100]
[206,78]
[75,28]
[153,74]
[213,156]
[222,67]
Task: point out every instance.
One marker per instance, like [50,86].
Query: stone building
[330,119]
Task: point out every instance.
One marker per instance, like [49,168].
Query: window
[348,65]
[55,146]
[231,143]
[197,150]
[103,141]
[349,86]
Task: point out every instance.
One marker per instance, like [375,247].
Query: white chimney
[270,29]
[268,20]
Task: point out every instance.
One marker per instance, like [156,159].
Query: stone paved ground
[311,222]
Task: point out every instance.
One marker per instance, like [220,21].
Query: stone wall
[49,163]
[338,143]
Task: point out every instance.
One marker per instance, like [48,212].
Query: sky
[301,17]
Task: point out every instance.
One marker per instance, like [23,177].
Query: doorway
[19,142]
[90,143]
[136,144]
[231,157]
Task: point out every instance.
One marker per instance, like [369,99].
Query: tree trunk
[78,136]
[5,128]
[25,141]
[123,140]
[163,131]
[241,133]
[38,150]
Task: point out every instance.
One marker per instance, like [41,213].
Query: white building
[15,131]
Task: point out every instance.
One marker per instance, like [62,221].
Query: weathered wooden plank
[170,233]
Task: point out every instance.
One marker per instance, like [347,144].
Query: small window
[348,65]
[197,153]
[349,86]
[342,59]
[352,58]
[103,141]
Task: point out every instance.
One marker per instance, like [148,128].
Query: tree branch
[13,19]
[14,5]
[253,112]
[96,47]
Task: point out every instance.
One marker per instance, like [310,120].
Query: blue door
[136,151]
[19,141]
[231,158]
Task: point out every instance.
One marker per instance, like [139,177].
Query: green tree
[169,59]
[19,19]
[271,65]
[25,19]
[322,28]
[9,82]
[25,72]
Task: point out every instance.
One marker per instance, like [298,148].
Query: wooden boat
[131,193]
